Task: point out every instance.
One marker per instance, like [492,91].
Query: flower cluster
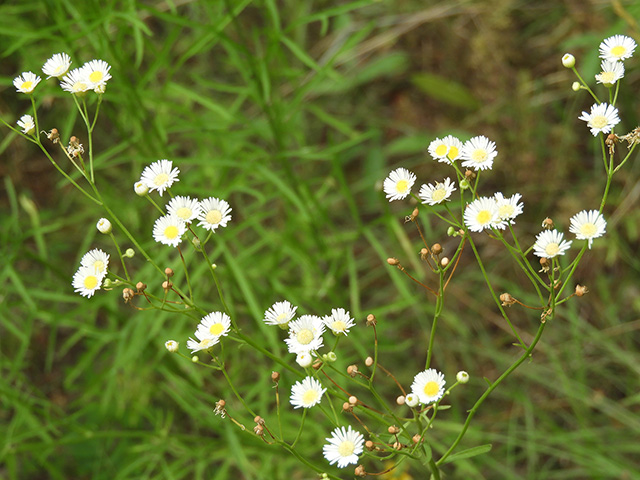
[209,331]
[586,225]
[93,269]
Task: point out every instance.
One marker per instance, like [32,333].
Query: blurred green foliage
[294,112]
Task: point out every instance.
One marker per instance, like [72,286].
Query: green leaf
[471,452]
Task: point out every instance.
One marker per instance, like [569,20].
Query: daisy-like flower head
[75,82]
[588,225]
[140,188]
[602,118]
[186,208]
[280,313]
[86,281]
[97,73]
[27,124]
[160,175]
[97,260]
[339,322]
[26,82]
[215,324]
[428,386]
[169,230]
[438,150]
[508,208]
[481,214]
[411,400]
[611,72]
[437,192]
[57,65]
[478,153]
[344,447]
[454,149]
[104,226]
[305,334]
[398,184]
[307,393]
[550,243]
[171,346]
[215,213]
[204,341]
[617,48]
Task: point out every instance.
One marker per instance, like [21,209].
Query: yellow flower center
[171,232]
[309,397]
[96,76]
[599,122]
[607,77]
[213,217]
[79,87]
[184,212]
[431,388]
[304,336]
[505,211]
[28,85]
[441,150]
[618,51]
[552,249]
[216,329]
[402,186]
[338,326]
[90,282]
[439,194]
[483,217]
[161,179]
[99,266]
[588,229]
[479,155]
[346,448]
[453,153]
[281,318]
[205,342]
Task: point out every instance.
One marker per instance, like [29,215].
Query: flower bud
[171,346]
[393,261]
[464,184]
[400,400]
[444,262]
[368,361]
[575,86]
[129,253]
[331,357]
[304,359]
[411,400]
[462,376]
[195,359]
[568,60]
[104,226]
[451,232]
[140,188]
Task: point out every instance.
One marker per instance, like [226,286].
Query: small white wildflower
[428,386]
[588,225]
[97,74]
[508,208]
[602,118]
[160,175]
[344,447]
[86,281]
[280,314]
[616,48]
[438,192]
[27,124]
[550,243]
[611,72]
[339,322]
[306,393]
[483,213]
[26,82]
[215,324]
[478,153]
[186,208]
[305,334]
[215,213]
[57,65]
[398,184]
[168,230]
[97,260]
[75,82]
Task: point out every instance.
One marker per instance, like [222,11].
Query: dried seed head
[393,429]
[368,361]
[416,438]
[469,174]
[360,471]
[352,370]
[507,300]
[127,294]
[53,135]
[353,400]
[371,320]
[167,285]
[400,400]
[581,290]
[258,419]
[317,364]
[141,287]
[424,253]
[347,407]
[393,261]
[436,248]
[369,445]
[258,430]
[398,445]
[168,272]
[547,224]
[275,376]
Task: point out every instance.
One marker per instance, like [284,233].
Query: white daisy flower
[478,153]
[482,213]
[160,175]
[438,150]
[86,281]
[428,386]
[57,65]
[398,184]
[550,243]
[168,230]
[304,359]
[454,149]
[97,73]
[508,208]
[75,81]
[97,260]
[280,313]
[140,188]
[345,446]
[438,192]
[616,48]
[215,213]
[588,225]
[215,324]
[602,118]
[339,321]
[611,72]
[411,400]
[306,393]
[204,341]
[26,82]
[27,124]
[171,346]
[186,208]
[305,334]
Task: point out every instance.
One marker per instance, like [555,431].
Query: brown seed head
[275,376]
[352,370]
[347,407]
[507,300]
[167,285]
[369,445]
[353,400]
[368,361]
[258,419]
[393,429]
[168,272]
[400,400]
[547,223]
[54,135]
[393,261]
[258,430]
[141,287]
[469,174]
[416,438]
[127,294]
[398,445]
[581,290]
[371,320]
[436,248]
[360,471]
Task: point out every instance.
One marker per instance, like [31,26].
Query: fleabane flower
[454,149]
[478,153]
[160,175]
[75,82]
[140,188]
[508,208]
[305,334]
[339,322]
[26,82]
[438,192]
[57,65]
[86,281]
[215,324]
[304,359]
[27,124]
[398,184]
[215,213]
[611,72]
[617,48]
[97,74]
[601,118]
[550,244]
[186,208]
[168,230]
[481,214]
[280,314]
[428,386]
[344,447]
[306,393]
[203,342]
[588,225]
[97,260]
[438,150]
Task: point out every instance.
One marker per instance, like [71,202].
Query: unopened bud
[140,188]
[400,400]
[371,320]
[168,272]
[331,357]
[195,359]
[104,226]
[581,290]
[127,294]
[575,86]
[411,400]
[171,346]
[436,248]
[445,261]
[353,400]
[141,287]
[451,232]
[568,60]
[347,407]
[464,184]
[129,253]
[196,243]
[167,285]
[304,359]
[369,445]
[462,376]
[275,376]
[393,429]
[368,361]
[393,261]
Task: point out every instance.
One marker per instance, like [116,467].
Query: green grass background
[295,111]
